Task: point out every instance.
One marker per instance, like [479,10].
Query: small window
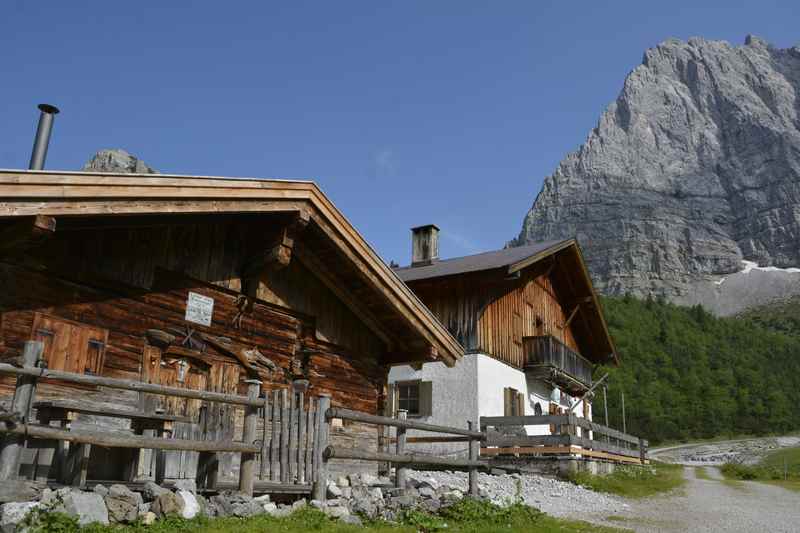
[408,397]
[70,346]
[513,402]
[537,409]
[415,397]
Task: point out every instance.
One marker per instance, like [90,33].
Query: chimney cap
[425,226]
[47,108]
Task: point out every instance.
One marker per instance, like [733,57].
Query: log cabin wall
[113,283]
[490,314]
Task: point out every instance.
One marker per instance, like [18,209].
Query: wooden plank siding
[490,314]
[128,280]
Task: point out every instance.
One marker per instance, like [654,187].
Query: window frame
[416,384]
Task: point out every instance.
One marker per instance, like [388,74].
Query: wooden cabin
[529,320]
[200,283]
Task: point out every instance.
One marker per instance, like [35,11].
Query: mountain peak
[694,167]
[117,160]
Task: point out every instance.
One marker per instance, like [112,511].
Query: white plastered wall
[454,399]
[473,388]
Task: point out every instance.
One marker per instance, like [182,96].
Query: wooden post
[21,406]
[301,438]
[262,474]
[284,449]
[642,450]
[624,425]
[275,438]
[474,450]
[401,472]
[605,409]
[321,442]
[247,468]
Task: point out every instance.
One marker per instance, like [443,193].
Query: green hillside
[687,374]
[783,316]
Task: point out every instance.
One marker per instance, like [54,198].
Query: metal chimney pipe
[39,153]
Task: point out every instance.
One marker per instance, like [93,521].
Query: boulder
[87,507]
[339,511]
[13,513]
[148,518]
[334,491]
[102,490]
[342,481]
[191,507]
[122,504]
[152,490]
[167,504]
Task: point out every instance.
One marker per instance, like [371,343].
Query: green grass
[780,467]
[700,472]
[467,516]
[634,481]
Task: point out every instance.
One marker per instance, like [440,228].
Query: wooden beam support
[571,316]
[26,233]
[279,255]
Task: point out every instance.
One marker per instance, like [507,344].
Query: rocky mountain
[117,160]
[693,169]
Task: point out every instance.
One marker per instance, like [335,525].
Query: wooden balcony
[550,359]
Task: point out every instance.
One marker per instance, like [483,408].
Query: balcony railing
[549,358]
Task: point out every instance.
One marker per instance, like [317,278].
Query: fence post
[321,442]
[642,450]
[247,468]
[21,406]
[474,450]
[401,472]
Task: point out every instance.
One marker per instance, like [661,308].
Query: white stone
[13,513]
[191,507]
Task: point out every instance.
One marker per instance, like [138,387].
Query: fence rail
[615,442]
[400,457]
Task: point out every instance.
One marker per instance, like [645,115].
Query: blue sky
[405,112]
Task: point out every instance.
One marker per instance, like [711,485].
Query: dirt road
[712,504]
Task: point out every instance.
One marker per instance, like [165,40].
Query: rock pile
[349,499]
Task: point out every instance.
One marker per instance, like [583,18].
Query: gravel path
[557,498]
[710,505]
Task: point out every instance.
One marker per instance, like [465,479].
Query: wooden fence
[401,459]
[595,440]
[287,453]
[284,445]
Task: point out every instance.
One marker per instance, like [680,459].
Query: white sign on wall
[199,309]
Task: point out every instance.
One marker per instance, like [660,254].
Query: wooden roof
[331,246]
[569,274]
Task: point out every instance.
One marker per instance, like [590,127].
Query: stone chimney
[424,245]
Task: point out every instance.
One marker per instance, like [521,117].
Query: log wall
[490,314]
[126,280]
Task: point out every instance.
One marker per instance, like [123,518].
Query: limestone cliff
[695,167]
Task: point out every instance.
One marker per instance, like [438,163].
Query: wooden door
[181,371]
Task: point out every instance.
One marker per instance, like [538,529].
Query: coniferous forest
[687,374]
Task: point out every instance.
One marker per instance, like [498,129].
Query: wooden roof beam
[312,263]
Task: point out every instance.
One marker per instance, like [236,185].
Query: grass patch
[466,516]
[634,481]
[780,468]
[700,472]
